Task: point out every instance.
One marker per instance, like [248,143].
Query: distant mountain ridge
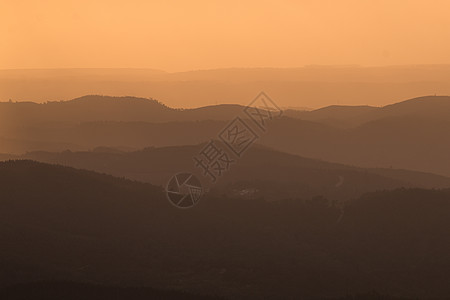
[352,116]
[309,86]
[397,136]
[93,108]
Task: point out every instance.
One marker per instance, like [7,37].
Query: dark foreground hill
[62,224]
[77,291]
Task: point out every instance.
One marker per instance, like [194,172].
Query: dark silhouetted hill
[76,291]
[63,224]
[275,175]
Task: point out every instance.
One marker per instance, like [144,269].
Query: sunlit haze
[189,35]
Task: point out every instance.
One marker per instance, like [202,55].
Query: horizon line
[356,66]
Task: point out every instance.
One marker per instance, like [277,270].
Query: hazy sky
[184,35]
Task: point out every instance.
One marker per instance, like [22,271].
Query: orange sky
[185,35]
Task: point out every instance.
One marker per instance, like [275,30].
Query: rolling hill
[428,107]
[96,108]
[396,136]
[275,175]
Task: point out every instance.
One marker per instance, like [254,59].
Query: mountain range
[310,86]
[394,136]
